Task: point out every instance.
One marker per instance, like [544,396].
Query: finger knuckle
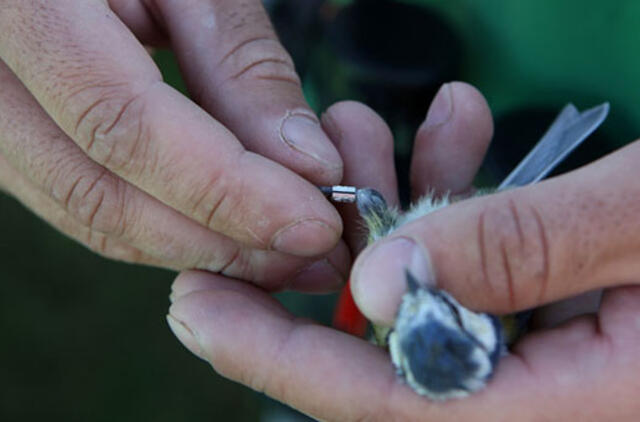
[215,200]
[258,58]
[111,126]
[97,242]
[107,247]
[236,264]
[97,201]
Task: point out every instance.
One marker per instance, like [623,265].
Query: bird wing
[566,132]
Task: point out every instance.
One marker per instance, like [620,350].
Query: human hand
[94,142]
[585,369]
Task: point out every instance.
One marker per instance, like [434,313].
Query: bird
[440,348]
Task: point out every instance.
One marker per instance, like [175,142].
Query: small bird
[441,349]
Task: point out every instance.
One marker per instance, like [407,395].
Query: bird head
[442,349]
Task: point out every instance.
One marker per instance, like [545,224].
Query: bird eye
[458,318]
[454,311]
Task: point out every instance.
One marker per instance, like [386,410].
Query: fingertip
[269,207]
[191,281]
[340,258]
[441,108]
[378,279]
[315,157]
[305,238]
[139,19]
[239,72]
[344,120]
[196,281]
[185,335]
[455,135]
[194,317]
[366,144]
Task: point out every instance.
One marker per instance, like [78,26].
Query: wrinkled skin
[93,141]
[582,369]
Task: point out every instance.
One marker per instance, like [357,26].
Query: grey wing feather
[566,132]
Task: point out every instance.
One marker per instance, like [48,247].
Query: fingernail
[379,277]
[185,335]
[441,108]
[319,277]
[303,133]
[305,238]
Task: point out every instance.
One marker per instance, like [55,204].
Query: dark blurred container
[298,26]
[392,56]
[517,132]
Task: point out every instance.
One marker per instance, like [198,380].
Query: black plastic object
[298,27]
[396,55]
[390,55]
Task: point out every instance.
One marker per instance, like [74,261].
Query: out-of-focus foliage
[85,339]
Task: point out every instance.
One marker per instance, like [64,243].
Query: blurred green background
[84,338]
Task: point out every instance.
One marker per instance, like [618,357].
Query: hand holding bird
[586,368]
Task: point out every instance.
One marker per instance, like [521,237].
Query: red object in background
[347,317]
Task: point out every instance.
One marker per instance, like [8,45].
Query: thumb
[516,249]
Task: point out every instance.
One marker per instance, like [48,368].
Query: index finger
[237,70]
[100,86]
